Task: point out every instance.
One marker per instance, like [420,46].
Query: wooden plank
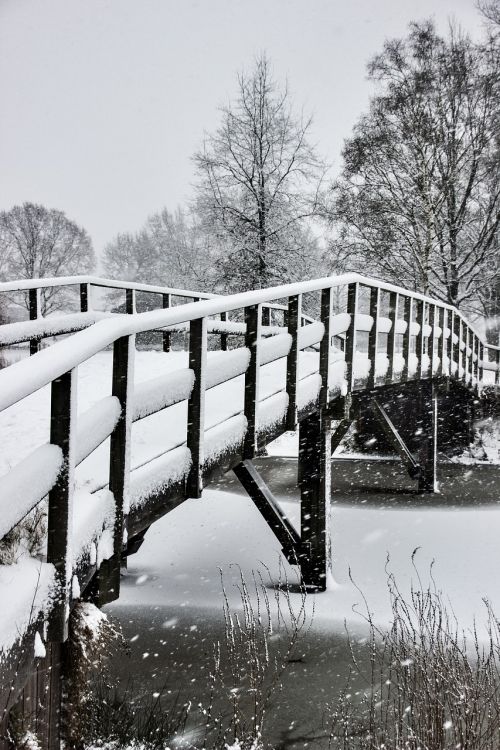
[350,336]
[292,360]
[253,319]
[325,346]
[166,335]
[60,512]
[315,495]
[119,464]
[395,438]
[196,404]
[269,508]
[373,334]
[34,312]
[392,337]
[408,304]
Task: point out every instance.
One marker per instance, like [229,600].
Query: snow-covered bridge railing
[39,326]
[369,335]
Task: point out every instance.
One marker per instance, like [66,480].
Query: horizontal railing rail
[388,334]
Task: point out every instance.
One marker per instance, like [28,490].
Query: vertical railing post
[373,334]
[253,319]
[196,405]
[85,297]
[223,336]
[420,340]
[467,357]
[457,325]
[350,336]
[427,481]
[119,464]
[480,358]
[392,337]
[443,323]
[497,374]
[407,339]
[266,316]
[130,301]
[431,353]
[60,506]
[324,347]
[292,360]
[475,359]
[166,335]
[35,313]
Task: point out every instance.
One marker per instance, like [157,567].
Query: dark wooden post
[456,358]
[292,360]
[315,492]
[467,356]
[392,337]
[324,347]
[84,297]
[443,322]
[196,405]
[450,342]
[420,340]
[431,347]
[35,312]
[480,356]
[373,334]
[166,335]
[223,336]
[60,515]
[427,481]
[130,301]
[350,336]
[253,319]
[407,339]
[266,316]
[119,464]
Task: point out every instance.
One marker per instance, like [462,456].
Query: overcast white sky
[105,101]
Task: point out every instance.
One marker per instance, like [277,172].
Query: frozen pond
[170,607]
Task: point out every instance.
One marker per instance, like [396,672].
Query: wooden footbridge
[314,355]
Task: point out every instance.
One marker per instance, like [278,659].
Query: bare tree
[419,197]
[37,242]
[259,179]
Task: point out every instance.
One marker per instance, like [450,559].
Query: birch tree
[419,197]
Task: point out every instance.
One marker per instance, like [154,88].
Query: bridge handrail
[23,378]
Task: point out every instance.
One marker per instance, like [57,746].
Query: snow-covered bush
[26,537]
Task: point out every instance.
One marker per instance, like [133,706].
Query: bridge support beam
[315,495]
[427,452]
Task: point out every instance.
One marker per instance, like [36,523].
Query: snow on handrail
[27,376]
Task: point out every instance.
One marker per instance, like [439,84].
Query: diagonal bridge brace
[413,467]
[269,507]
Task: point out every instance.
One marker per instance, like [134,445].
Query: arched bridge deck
[256,365]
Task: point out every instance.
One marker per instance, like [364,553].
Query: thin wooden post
[324,347]
[119,464]
[350,336]
[253,318]
[431,347]
[427,480]
[392,337]
[196,405]
[166,335]
[443,323]
[420,341]
[467,356]
[456,344]
[292,360]
[130,301]
[315,493]
[480,355]
[84,297]
[223,336]
[373,334]
[407,338]
[497,374]
[35,313]
[266,316]
[60,511]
